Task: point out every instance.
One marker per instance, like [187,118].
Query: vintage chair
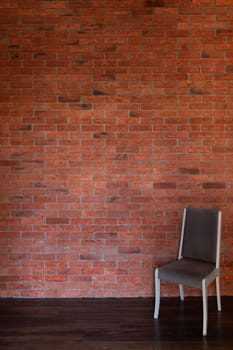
[198,259]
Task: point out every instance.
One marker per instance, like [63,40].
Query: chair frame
[215,275]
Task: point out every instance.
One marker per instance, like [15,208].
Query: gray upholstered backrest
[200,234]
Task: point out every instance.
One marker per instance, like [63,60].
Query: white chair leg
[205,307]
[218,294]
[181,291]
[157,294]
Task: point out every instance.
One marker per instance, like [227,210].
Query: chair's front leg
[205,306]
[218,294]
[157,294]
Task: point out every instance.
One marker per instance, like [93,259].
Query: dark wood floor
[113,324]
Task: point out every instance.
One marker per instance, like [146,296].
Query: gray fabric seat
[197,264]
[185,271]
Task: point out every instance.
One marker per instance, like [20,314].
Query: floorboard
[113,324]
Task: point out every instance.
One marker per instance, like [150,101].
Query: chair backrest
[200,237]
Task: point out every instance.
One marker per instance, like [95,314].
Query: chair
[197,264]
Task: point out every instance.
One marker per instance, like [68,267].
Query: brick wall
[115,114]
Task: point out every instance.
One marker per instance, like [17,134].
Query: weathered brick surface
[114,116]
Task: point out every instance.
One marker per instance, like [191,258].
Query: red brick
[57,221]
[223,2]
[211,185]
[202,2]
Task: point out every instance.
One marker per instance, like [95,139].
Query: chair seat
[185,271]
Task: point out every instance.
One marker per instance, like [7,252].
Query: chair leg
[181,292]
[157,294]
[205,307]
[218,294]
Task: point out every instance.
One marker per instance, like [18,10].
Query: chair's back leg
[181,292]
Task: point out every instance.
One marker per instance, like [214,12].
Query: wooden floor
[104,324]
